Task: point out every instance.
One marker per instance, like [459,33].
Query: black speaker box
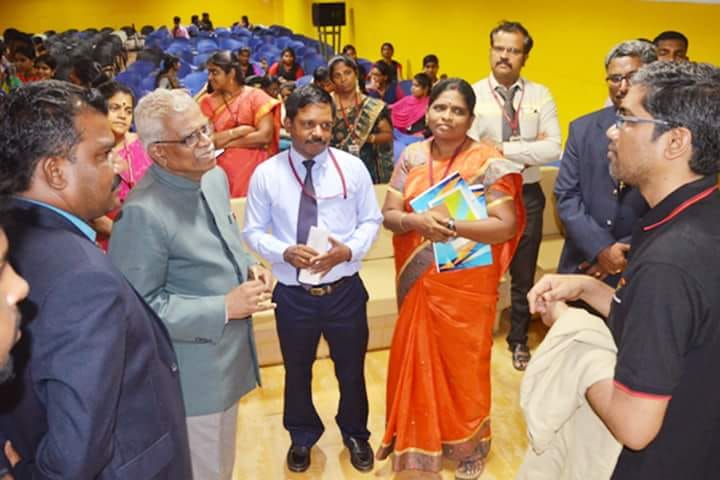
[328,14]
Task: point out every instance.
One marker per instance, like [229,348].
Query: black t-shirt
[665,318]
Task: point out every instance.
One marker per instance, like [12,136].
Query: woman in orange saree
[246,121]
[438,386]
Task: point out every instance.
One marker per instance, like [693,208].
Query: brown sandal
[470,469]
[520,356]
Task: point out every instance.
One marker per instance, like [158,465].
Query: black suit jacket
[97,392]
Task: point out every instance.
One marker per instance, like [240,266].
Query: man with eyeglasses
[664,400]
[177,242]
[306,187]
[97,393]
[597,210]
[520,117]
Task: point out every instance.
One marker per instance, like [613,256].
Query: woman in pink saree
[246,121]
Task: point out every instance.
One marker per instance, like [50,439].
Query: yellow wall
[41,15]
[571,37]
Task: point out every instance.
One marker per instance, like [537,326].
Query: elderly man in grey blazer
[177,242]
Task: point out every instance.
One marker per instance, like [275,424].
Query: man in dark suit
[97,393]
[598,212]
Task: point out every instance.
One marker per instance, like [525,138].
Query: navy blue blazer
[595,210]
[97,391]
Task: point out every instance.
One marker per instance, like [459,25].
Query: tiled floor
[263,443]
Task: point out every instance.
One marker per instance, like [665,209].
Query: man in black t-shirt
[663,404]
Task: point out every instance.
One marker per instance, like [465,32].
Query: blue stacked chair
[241,31]
[206,45]
[304,80]
[282,42]
[405,86]
[186,68]
[201,59]
[222,32]
[310,63]
[229,43]
[195,81]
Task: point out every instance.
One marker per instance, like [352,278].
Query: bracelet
[402,217]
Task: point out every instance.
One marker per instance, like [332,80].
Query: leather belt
[324,289]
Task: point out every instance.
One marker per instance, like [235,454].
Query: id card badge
[354,149]
[515,138]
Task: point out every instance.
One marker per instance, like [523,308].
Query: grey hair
[645,51]
[154,108]
[687,95]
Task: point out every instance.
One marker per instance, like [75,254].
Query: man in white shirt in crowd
[313,185]
[520,117]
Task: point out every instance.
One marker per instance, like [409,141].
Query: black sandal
[520,356]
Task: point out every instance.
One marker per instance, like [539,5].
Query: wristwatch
[451,224]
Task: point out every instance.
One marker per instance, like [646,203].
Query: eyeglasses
[618,79]
[621,120]
[191,140]
[510,50]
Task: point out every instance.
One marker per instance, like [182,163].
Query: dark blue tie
[308,213]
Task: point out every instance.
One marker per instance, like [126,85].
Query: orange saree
[438,387]
[246,108]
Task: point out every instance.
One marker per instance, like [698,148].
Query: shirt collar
[172,179]
[678,201]
[298,158]
[520,83]
[86,229]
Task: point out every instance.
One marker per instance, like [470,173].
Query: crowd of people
[131,363]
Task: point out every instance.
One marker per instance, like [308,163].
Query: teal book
[463,202]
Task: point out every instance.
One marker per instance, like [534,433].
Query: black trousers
[340,317]
[522,268]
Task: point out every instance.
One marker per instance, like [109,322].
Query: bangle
[402,217]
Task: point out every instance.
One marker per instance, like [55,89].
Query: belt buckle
[318,291]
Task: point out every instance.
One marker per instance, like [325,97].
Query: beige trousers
[212,444]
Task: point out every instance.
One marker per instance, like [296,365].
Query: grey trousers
[212,444]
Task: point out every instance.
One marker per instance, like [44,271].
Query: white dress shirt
[537,115]
[273,203]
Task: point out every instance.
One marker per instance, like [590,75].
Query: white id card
[354,149]
[318,241]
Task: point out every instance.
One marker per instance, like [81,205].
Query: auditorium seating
[378,274]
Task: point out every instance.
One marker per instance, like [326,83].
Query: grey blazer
[178,244]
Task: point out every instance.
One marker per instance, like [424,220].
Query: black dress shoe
[361,455]
[298,458]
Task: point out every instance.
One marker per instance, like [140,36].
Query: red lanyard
[302,185]
[358,106]
[447,169]
[515,121]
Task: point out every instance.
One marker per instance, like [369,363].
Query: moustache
[503,62]
[315,141]
[117,180]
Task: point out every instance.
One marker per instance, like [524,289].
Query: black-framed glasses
[192,139]
[510,50]
[617,79]
[621,120]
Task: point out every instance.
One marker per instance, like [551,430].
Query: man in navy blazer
[598,212]
[97,392]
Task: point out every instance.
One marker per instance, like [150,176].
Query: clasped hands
[252,296]
[304,257]
[432,224]
[610,261]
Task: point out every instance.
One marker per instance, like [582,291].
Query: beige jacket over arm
[567,439]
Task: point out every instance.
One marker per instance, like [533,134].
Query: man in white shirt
[337,196]
[520,117]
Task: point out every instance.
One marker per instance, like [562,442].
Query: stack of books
[463,202]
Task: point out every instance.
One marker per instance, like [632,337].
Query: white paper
[318,241]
